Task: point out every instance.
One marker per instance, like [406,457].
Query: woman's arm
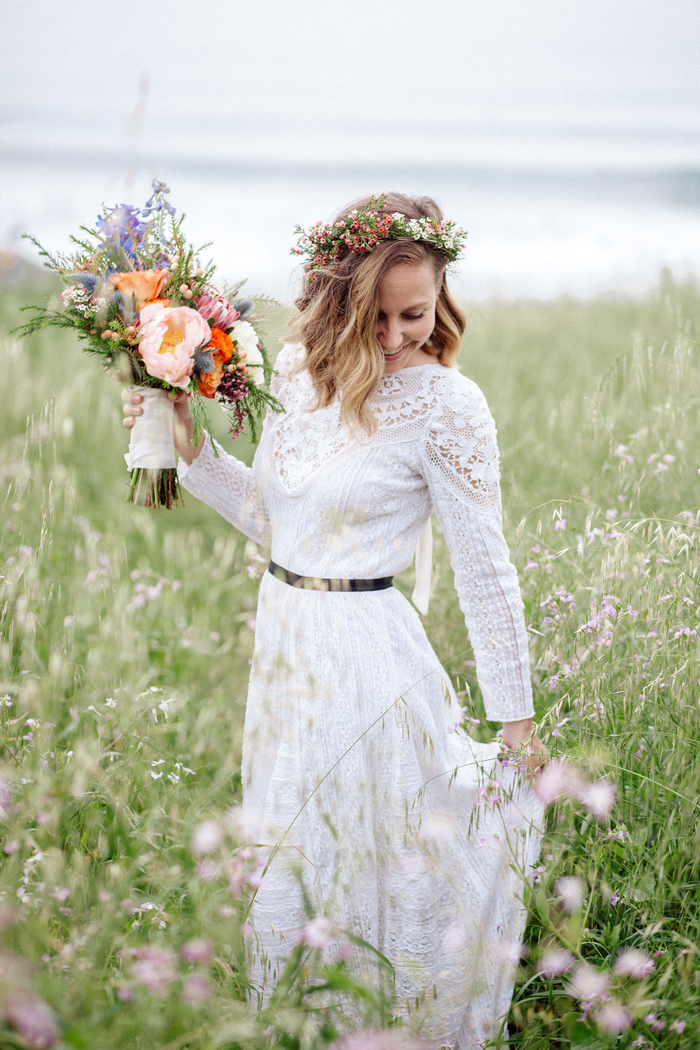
[460,460]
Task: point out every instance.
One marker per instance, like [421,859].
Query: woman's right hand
[183,424]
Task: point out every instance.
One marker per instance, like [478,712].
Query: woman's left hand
[518,737]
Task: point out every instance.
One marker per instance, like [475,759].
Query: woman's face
[407,299]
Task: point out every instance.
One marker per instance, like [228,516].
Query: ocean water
[550,209]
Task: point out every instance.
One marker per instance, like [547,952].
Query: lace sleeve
[460,458]
[230,487]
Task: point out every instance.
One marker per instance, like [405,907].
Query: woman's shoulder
[456,394]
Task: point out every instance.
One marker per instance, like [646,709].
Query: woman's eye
[413,317]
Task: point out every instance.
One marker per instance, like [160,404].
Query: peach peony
[146,285]
[168,339]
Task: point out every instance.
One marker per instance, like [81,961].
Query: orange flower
[146,285]
[208,382]
[221,343]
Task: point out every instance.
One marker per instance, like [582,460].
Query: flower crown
[364,228]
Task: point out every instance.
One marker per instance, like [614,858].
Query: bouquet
[139,298]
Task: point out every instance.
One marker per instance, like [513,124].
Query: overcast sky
[361,61]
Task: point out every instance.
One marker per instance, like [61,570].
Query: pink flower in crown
[215,307]
[168,339]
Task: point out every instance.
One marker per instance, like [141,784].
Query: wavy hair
[337,315]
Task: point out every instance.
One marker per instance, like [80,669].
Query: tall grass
[126,641]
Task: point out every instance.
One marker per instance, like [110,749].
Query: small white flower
[110,702]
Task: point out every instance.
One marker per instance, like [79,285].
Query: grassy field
[125,643]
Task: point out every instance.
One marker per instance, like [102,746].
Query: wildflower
[677,1026]
[631,962]
[196,987]
[654,1023]
[196,951]
[207,836]
[318,933]
[556,962]
[571,891]
[109,702]
[587,982]
[560,524]
[155,967]
[613,1018]
[598,798]
[32,1019]
[556,780]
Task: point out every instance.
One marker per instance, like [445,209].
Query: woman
[390,820]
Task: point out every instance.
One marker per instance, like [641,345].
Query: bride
[389,818]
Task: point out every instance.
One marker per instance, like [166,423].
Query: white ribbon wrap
[424,569]
[151,443]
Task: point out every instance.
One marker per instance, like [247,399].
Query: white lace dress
[393,822]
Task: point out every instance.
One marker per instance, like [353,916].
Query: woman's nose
[389,335]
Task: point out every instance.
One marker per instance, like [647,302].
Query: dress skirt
[389,819]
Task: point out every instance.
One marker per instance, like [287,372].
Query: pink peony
[215,307]
[168,340]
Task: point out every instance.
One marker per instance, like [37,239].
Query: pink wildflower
[631,962]
[319,932]
[613,1018]
[557,779]
[599,798]
[32,1019]
[196,987]
[556,962]
[570,890]
[207,836]
[155,967]
[677,1026]
[587,982]
[196,951]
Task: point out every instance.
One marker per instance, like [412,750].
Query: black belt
[316,583]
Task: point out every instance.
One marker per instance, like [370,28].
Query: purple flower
[32,1019]
[677,1026]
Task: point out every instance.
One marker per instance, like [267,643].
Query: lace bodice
[336,505]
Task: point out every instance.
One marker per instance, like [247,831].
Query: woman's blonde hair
[338,312]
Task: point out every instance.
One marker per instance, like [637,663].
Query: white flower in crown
[243,333]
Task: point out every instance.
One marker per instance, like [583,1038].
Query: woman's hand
[183,424]
[518,737]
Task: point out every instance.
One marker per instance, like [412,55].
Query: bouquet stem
[155,487]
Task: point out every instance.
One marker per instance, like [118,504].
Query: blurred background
[564,136]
